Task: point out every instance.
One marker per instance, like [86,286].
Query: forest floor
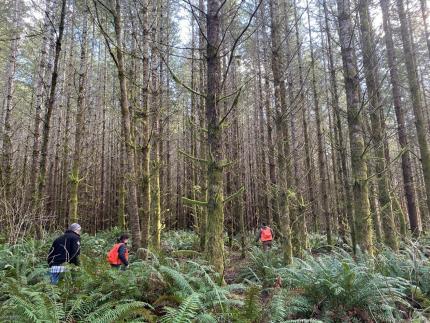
[234,265]
[176,285]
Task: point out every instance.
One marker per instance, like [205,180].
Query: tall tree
[281,128]
[415,93]
[375,106]
[127,138]
[363,221]
[79,121]
[339,138]
[145,132]
[408,181]
[6,158]
[215,213]
[50,103]
[320,140]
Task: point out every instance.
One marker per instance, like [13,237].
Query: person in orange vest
[265,235]
[118,255]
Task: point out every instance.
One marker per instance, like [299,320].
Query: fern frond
[113,312]
[186,312]
[177,278]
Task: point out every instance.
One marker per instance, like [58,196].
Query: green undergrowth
[177,285]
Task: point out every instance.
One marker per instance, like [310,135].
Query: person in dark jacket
[64,249]
[118,255]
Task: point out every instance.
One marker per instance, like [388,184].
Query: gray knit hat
[75,227]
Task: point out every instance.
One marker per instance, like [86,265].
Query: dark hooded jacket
[65,248]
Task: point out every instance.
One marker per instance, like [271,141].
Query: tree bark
[130,175]
[6,158]
[215,215]
[79,123]
[363,221]
[281,111]
[417,107]
[145,150]
[48,113]
[321,146]
[347,204]
[375,106]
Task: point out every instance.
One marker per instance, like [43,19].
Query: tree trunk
[281,111]
[347,206]
[417,107]
[145,151]
[424,13]
[408,180]
[130,175]
[79,123]
[38,101]
[321,147]
[201,116]
[215,220]
[363,221]
[375,106]
[155,99]
[6,158]
[48,113]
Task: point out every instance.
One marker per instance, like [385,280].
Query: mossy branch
[75,178]
[194,202]
[234,195]
[195,125]
[177,80]
[233,105]
[200,160]
[226,164]
[387,167]
[229,95]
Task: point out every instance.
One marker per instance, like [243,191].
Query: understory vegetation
[177,285]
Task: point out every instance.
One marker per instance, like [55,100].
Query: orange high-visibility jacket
[113,254]
[266,234]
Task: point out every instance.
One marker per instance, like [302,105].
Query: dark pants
[267,245]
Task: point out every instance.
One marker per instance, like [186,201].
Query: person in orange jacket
[265,235]
[118,255]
